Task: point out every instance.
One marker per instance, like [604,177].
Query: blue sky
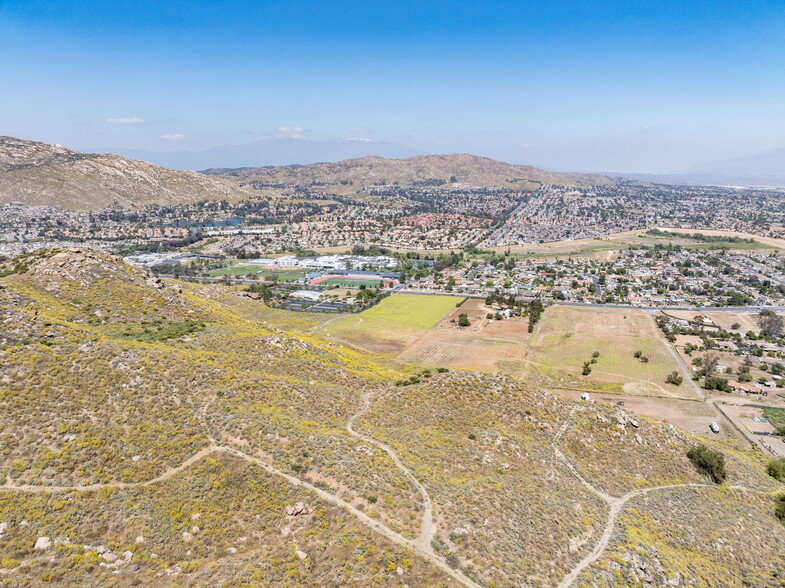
[605,86]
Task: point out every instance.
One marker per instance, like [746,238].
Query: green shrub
[716,383]
[776,469]
[709,463]
[674,378]
[779,510]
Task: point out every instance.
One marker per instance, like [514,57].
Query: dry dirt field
[606,246]
[770,241]
[748,321]
[554,353]
[480,346]
[567,336]
[684,340]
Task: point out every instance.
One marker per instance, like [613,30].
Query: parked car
[620,403]
[715,428]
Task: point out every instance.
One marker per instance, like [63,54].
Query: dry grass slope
[202,424]
[40,174]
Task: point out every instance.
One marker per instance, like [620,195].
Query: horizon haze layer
[590,86]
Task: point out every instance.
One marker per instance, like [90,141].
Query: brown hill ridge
[459,169]
[37,173]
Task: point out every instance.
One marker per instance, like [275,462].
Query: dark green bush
[779,510]
[776,469]
[708,462]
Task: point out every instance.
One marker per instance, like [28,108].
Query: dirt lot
[689,415]
[746,416]
[748,321]
[683,340]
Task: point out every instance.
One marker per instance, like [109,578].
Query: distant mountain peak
[372,170]
[37,173]
[272,151]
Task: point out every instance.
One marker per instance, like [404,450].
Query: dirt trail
[421,544]
[425,551]
[87,487]
[427,525]
[615,504]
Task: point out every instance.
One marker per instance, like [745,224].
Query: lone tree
[709,463]
[535,311]
[674,378]
[771,324]
[709,364]
[463,320]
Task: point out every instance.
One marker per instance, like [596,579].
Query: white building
[306,295]
[286,261]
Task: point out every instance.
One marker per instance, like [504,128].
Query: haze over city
[575,86]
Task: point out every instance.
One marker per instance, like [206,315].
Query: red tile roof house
[743,387]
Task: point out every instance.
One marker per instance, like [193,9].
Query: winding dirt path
[615,504]
[421,544]
[427,524]
[87,487]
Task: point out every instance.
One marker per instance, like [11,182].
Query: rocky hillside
[461,169]
[163,433]
[41,174]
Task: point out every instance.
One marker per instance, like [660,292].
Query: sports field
[236,270]
[259,271]
[393,323]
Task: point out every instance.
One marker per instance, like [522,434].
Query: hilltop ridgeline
[460,169]
[37,173]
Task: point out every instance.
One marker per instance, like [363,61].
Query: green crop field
[776,416]
[393,323]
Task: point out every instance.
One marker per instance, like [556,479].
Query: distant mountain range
[42,174]
[762,169]
[461,169]
[271,151]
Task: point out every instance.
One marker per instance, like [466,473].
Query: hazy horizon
[579,86]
